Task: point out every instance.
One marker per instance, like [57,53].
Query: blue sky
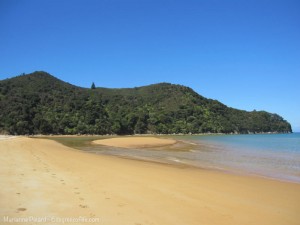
[244,53]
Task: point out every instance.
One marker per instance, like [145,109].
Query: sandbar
[135,142]
[42,178]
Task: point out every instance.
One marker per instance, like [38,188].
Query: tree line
[39,103]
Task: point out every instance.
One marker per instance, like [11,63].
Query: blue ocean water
[271,155]
[273,142]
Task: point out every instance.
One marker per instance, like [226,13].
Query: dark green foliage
[93,86]
[38,103]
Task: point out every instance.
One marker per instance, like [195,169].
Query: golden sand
[44,178]
[135,142]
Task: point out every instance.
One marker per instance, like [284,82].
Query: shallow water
[272,155]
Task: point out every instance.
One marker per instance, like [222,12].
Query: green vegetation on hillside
[39,103]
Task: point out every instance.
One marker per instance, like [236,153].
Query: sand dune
[44,178]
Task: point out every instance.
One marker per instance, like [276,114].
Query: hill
[39,103]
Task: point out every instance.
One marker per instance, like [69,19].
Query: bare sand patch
[135,142]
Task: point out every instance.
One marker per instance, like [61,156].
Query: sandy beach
[42,178]
[135,142]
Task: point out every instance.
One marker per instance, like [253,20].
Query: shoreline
[143,135]
[42,177]
[130,152]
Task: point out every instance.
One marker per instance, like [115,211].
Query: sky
[244,53]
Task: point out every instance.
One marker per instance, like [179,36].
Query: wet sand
[44,178]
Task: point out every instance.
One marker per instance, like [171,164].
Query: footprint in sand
[21,209]
[63,182]
[83,206]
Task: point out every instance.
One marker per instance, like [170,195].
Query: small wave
[188,142]
[5,137]
[173,159]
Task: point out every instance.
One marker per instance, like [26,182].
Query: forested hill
[39,103]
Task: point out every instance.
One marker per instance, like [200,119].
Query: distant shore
[142,135]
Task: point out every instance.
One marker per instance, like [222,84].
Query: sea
[276,156]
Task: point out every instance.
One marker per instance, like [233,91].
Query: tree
[39,103]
